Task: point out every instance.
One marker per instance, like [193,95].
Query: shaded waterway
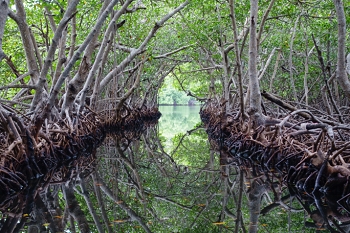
[137,188]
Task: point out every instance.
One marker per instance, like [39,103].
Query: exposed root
[31,160]
[307,154]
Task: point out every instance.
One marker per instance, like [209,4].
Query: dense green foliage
[180,187]
[307,19]
[170,95]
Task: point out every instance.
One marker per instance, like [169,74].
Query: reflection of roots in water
[312,163]
[58,152]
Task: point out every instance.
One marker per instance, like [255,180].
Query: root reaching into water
[309,154]
[31,161]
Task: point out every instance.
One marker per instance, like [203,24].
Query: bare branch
[262,23]
[173,52]
[267,63]
[55,89]
[51,53]
[238,56]
[18,86]
[100,53]
[140,49]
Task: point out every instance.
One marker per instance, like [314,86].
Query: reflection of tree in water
[275,158]
[137,186]
[177,119]
[32,175]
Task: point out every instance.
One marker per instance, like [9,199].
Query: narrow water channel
[175,120]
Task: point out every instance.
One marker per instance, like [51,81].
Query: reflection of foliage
[177,119]
[193,149]
[169,198]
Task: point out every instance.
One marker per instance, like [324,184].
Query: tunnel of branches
[305,151]
[51,138]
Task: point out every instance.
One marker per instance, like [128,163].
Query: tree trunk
[341,70]
[20,18]
[255,95]
[290,59]
[3,18]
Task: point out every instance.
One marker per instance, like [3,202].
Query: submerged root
[309,155]
[58,152]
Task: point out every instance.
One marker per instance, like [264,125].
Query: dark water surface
[267,205]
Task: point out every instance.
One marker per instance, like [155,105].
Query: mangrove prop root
[32,160]
[307,157]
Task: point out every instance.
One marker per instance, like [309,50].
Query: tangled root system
[310,156]
[31,160]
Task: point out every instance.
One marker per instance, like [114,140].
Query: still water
[175,120]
